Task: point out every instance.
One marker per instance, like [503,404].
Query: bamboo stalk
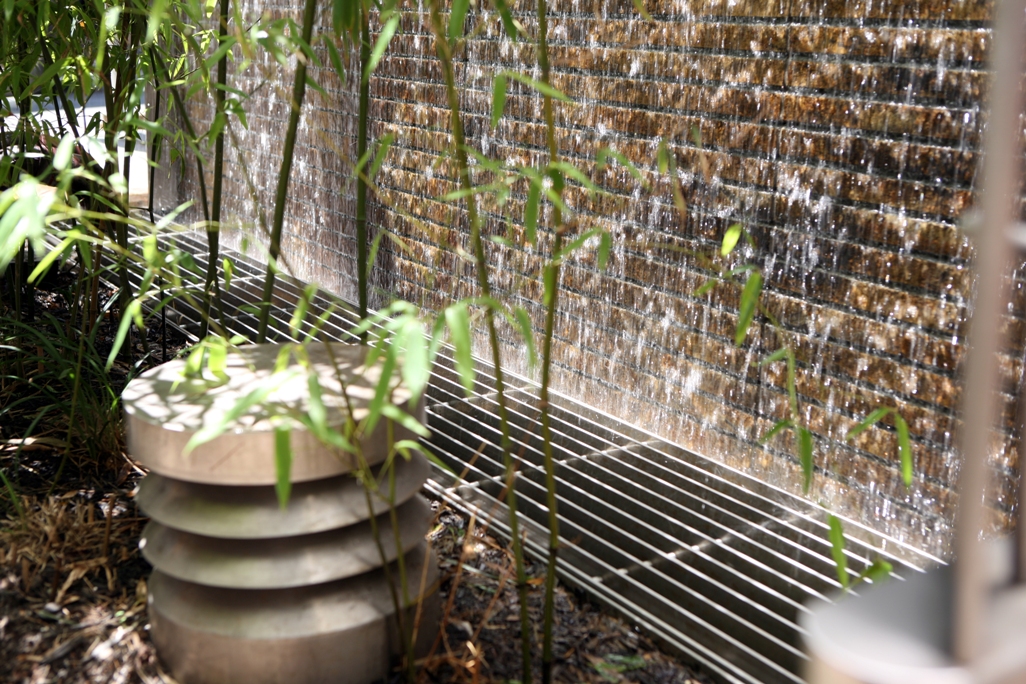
[445,57]
[212,286]
[551,289]
[361,178]
[298,91]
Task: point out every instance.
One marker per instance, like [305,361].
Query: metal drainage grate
[715,564]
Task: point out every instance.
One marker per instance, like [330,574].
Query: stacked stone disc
[245,590]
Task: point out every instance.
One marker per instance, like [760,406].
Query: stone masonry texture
[843,135]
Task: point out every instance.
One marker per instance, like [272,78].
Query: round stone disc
[252,512]
[163,411]
[283,562]
[341,632]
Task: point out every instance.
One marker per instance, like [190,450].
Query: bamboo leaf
[498,98]
[507,20]
[394,413]
[44,265]
[879,571]
[384,38]
[283,465]
[119,339]
[458,320]
[780,425]
[335,59]
[416,369]
[527,332]
[229,271]
[62,156]
[217,361]
[602,159]
[730,239]
[837,549]
[458,18]
[904,448]
[640,6]
[663,157]
[531,211]
[778,355]
[538,86]
[435,460]
[708,285]
[804,438]
[870,420]
[605,245]
[749,301]
[570,170]
[343,15]
[384,145]
[315,409]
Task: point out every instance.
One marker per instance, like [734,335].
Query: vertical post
[1001,176]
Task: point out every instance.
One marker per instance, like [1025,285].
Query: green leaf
[780,425]
[458,320]
[837,549]
[416,369]
[498,98]
[44,265]
[62,156]
[283,465]
[343,15]
[194,362]
[435,460]
[663,157]
[778,355]
[730,239]
[384,145]
[507,20]
[315,409]
[804,438]
[640,6]
[119,339]
[394,413]
[749,301]
[335,59]
[543,88]
[605,245]
[708,285]
[531,211]
[904,448]
[879,571]
[870,420]
[229,271]
[457,18]
[527,332]
[602,158]
[256,396]
[217,361]
[387,31]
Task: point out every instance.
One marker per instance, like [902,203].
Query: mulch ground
[73,583]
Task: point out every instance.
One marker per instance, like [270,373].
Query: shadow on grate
[715,564]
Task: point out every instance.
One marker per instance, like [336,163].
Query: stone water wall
[843,135]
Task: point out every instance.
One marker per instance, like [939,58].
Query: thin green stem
[443,50]
[361,150]
[212,286]
[551,289]
[274,249]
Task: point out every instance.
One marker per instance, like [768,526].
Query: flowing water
[843,135]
